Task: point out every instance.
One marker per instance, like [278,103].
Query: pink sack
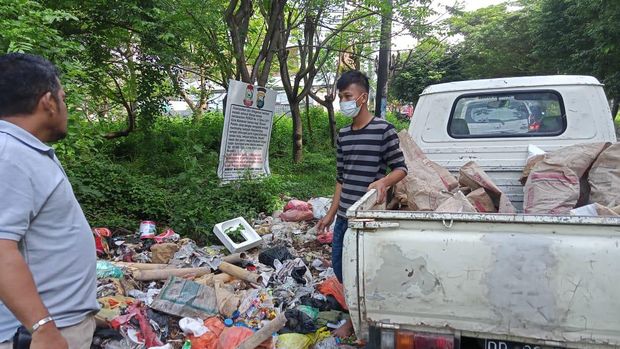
[297,215]
[297,205]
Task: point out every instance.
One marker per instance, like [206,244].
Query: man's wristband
[40,323]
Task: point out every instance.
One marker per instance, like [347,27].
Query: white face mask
[350,108]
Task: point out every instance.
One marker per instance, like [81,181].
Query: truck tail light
[432,341]
[405,339]
[402,339]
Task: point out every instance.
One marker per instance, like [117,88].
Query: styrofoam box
[252,239]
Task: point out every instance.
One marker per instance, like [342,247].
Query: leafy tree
[497,42]
[580,37]
[430,63]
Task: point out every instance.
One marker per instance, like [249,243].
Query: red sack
[210,339]
[297,215]
[332,287]
[297,205]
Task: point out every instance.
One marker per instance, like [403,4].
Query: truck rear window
[507,114]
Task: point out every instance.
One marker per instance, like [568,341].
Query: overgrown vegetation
[168,173]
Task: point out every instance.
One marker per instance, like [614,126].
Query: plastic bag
[334,288]
[280,253]
[106,269]
[320,206]
[329,343]
[210,339]
[326,238]
[193,326]
[232,337]
[321,305]
[298,322]
[310,311]
[293,341]
[297,205]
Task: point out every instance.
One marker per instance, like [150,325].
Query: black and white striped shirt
[363,157]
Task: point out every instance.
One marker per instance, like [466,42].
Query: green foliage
[431,62]
[28,27]
[497,42]
[168,174]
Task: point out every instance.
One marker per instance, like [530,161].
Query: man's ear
[47,102]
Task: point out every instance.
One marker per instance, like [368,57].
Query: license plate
[497,344]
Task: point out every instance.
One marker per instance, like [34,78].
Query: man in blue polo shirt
[47,251]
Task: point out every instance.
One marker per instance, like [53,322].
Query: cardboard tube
[163,274]
[240,273]
[236,258]
[264,333]
[142,266]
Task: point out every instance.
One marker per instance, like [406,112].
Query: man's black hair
[353,77]
[24,79]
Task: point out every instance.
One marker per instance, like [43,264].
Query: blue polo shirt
[39,210]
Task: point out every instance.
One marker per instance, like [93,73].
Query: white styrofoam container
[252,239]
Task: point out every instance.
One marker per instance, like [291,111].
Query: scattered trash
[163,291]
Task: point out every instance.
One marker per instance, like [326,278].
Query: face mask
[350,108]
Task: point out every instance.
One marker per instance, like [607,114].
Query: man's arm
[19,293]
[327,221]
[393,157]
[384,183]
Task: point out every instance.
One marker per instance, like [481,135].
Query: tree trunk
[332,121]
[131,126]
[308,115]
[297,132]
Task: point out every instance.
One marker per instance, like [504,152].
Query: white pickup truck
[490,281]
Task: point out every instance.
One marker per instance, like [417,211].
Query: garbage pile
[580,180]
[164,291]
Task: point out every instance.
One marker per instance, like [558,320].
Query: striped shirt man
[363,157]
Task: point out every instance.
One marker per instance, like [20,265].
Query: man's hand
[48,337]
[381,189]
[325,223]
